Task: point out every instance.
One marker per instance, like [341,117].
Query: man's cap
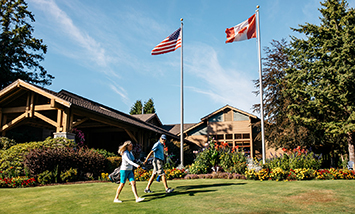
[163,136]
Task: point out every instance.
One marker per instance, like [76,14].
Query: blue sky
[100,49]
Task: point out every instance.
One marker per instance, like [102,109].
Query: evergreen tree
[322,82]
[136,108]
[280,131]
[20,52]
[149,107]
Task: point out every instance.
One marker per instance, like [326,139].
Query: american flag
[171,43]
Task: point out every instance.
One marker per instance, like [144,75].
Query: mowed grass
[190,196]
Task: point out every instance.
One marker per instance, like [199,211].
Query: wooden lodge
[227,124]
[24,106]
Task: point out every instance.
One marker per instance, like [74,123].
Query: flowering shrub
[45,177]
[324,174]
[175,173]
[233,161]
[278,174]
[291,175]
[79,137]
[144,175]
[218,156]
[294,159]
[104,177]
[342,173]
[305,174]
[15,182]
[220,175]
[69,175]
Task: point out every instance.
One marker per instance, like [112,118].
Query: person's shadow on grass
[190,190]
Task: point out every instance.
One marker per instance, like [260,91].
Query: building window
[220,137]
[242,136]
[229,136]
[246,136]
[237,136]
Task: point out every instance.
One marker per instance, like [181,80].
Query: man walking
[158,164]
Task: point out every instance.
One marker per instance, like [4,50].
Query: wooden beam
[71,118]
[21,109]
[44,107]
[45,119]
[32,105]
[28,101]
[52,102]
[59,120]
[65,122]
[102,119]
[13,122]
[131,135]
[76,123]
[23,84]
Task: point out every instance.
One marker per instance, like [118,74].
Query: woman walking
[126,170]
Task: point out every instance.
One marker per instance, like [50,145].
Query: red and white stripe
[243,31]
[171,43]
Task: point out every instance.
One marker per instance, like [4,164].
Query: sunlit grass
[190,196]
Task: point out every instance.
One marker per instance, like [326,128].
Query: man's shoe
[169,190]
[117,201]
[139,199]
[148,191]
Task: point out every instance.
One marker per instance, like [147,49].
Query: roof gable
[217,112]
[20,84]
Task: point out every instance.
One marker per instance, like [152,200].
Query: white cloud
[223,85]
[90,48]
[120,91]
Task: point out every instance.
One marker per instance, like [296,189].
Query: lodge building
[25,106]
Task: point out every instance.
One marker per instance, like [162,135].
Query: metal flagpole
[261,87]
[182,104]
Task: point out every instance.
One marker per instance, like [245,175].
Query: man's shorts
[158,166]
[126,174]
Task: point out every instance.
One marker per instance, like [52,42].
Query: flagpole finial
[181,19]
[257,6]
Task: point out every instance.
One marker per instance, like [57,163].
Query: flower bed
[279,174]
[144,175]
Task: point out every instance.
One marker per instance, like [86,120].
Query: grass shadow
[207,186]
[155,196]
[190,190]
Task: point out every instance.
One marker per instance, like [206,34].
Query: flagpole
[182,104]
[261,87]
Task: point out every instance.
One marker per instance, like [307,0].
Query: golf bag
[115,176]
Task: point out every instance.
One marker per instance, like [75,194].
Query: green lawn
[190,196]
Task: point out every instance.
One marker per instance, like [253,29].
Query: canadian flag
[242,31]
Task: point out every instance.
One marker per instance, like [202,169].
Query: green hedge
[11,160]
[58,160]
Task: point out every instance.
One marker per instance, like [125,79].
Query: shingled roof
[73,100]
[82,102]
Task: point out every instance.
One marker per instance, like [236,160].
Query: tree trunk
[351,147]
